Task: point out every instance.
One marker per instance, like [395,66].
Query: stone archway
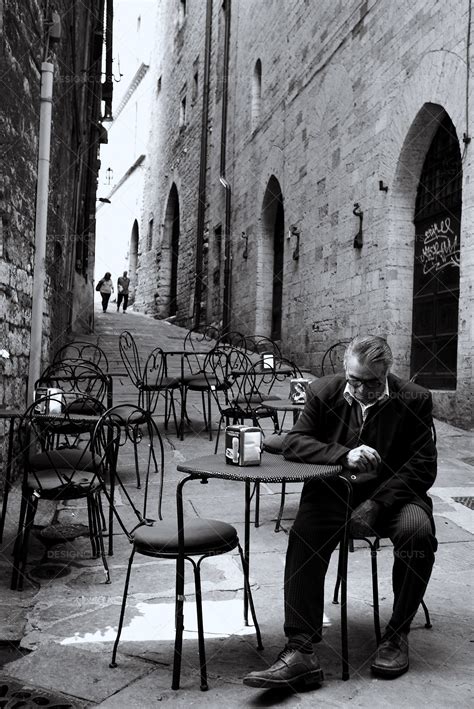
[168,277]
[437,255]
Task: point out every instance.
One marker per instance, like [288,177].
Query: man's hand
[363,518]
[363,458]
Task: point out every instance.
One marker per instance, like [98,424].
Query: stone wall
[348,101]
[75,137]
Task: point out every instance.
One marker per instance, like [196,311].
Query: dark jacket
[399,428]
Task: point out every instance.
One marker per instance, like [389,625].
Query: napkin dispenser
[243,445]
[298,389]
[50,400]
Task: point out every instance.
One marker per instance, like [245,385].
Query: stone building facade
[72,41]
[310,167]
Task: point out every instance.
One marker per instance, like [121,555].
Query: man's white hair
[371,349]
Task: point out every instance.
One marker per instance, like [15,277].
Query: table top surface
[9,413]
[65,417]
[282,405]
[273,468]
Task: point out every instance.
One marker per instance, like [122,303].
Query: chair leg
[179,623]
[282,506]
[209,414]
[374,547]
[20,563]
[202,649]
[218,435]
[137,467]
[204,411]
[18,545]
[95,507]
[93,532]
[113,663]
[427,615]
[250,600]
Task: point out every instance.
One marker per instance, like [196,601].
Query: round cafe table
[273,469]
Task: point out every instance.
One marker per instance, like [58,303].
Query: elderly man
[380,429]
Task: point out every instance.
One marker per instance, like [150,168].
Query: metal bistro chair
[260,344]
[83,389]
[53,470]
[346,545]
[180,540]
[85,351]
[156,383]
[145,376]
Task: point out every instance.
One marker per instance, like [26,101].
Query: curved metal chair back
[131,437]
[77,379]
[87,351]
[199,340]
[231,339]
[333,358]
[130,357]
[156,382]
[260,344]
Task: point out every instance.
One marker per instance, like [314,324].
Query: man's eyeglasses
[368,383]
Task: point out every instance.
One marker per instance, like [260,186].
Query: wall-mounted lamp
[104,200]
[246,248]
[382,187]
[294,231]
[358,238]
[109,176]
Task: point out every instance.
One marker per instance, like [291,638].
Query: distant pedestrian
[123,284]
[106,288]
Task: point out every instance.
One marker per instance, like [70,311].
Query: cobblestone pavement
[56,636]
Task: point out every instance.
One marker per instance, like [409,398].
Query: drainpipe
[202,170]
[42,187]
[227,295]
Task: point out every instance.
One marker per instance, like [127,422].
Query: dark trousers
[105,300]
[314,536]
[124,297]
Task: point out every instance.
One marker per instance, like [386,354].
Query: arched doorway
[271,262]
[168,285]
[437,259]
[133,259]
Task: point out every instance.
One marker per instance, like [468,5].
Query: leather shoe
[292,669]
[391,658]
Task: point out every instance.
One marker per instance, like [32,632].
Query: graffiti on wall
[439,247]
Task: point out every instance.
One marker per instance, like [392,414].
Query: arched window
[256,94]
[149,239]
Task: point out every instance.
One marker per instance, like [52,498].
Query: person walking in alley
[379,428]
[123,285]
[106,288]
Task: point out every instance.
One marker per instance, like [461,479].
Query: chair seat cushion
[200,537]
[165,383]
[62,484]
[85,406]
[62,458]
[128,413]
[199,381]
[274,443]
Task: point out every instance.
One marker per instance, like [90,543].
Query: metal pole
[42,188]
